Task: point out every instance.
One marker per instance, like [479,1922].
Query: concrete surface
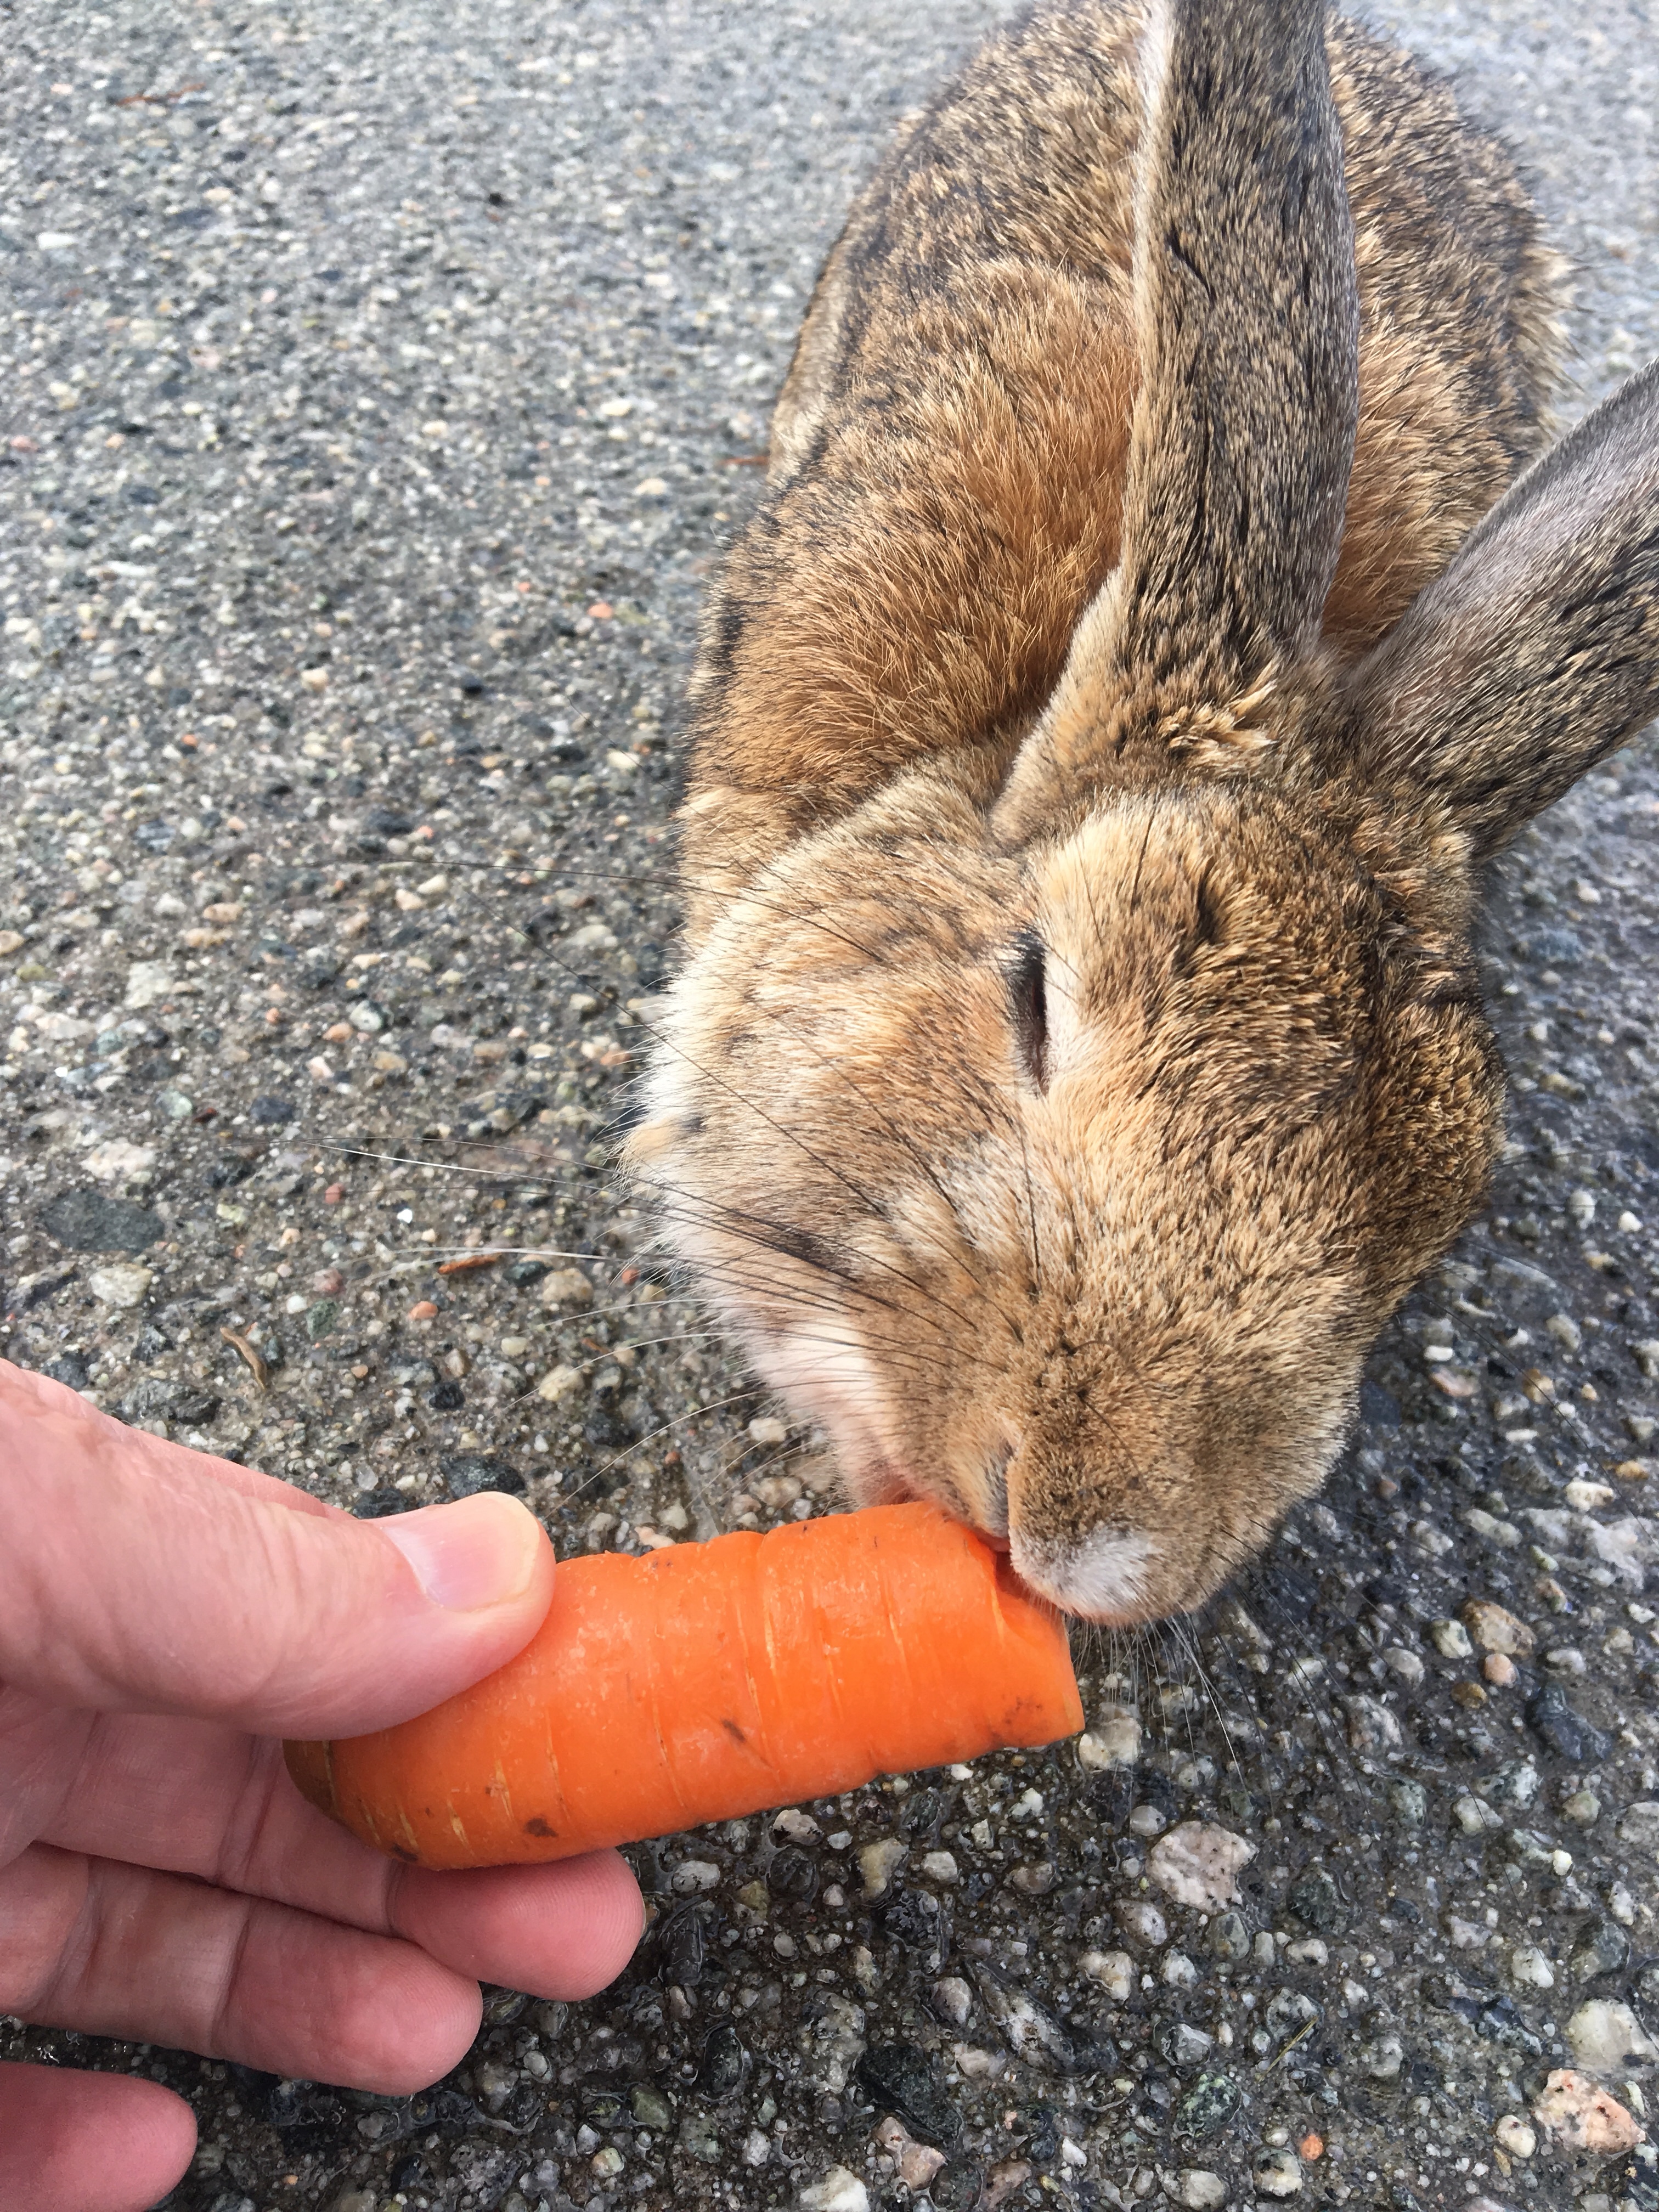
[378,382]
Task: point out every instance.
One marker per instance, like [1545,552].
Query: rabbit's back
[949,449]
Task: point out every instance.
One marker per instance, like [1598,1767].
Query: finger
[203,1800]
[557,1931]
[41,1751]
[89,2143]
[116,1950]
[199,1798]
[132,1579]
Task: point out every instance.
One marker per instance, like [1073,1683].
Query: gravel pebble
[1005,2180]
[974,2063]
[1514,2137]
[1529,1967]
[1200,2191]
[1114,1969]
[1143,1924]
[900,2078]
[1276,2173]
[1406,1663]
[1198,1864]
[916,2162]
[839,2190]
[1493,1628]
[120,1286]
[799,1828]
[93,1221]
[1113,1742]
[694,1876]
[117,1161]
[1604,2036]
[878,1862]
[1582,2116]
[1207,2106]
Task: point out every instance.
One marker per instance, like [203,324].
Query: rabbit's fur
[1099,727]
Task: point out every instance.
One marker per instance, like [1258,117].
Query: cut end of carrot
[707,1681]
[311,1770]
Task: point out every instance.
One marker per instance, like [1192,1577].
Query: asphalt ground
[379,385]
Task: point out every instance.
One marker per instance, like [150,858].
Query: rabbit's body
[1099,730]
[949,449]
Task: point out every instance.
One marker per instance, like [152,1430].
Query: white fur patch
[826,1374]
[1105,1577]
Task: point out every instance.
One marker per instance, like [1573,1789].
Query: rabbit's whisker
[736,1273]
[1184,1629]
[665,1428]
[788,1243]
[750,1104]
[806,917]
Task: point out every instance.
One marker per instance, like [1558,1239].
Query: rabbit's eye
[1028,1002]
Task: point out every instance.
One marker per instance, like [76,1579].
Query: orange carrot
[709,1681]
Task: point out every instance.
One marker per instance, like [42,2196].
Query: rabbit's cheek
[876,1482]
[828,1377]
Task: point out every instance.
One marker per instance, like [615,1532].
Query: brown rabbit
[1100,728]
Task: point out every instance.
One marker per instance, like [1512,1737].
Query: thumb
[133,1580]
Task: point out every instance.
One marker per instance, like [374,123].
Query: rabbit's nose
[1106,1575]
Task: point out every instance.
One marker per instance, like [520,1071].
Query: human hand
[165,1618]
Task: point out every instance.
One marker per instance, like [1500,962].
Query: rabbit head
[1061,1149]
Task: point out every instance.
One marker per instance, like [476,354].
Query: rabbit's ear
[1537,650]
[1241,440]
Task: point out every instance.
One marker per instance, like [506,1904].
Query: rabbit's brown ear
[1242,440]
[1537,650]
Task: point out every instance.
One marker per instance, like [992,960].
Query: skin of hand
[165,1618]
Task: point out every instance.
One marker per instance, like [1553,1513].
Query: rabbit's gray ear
[1537,650]
[1243,435]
